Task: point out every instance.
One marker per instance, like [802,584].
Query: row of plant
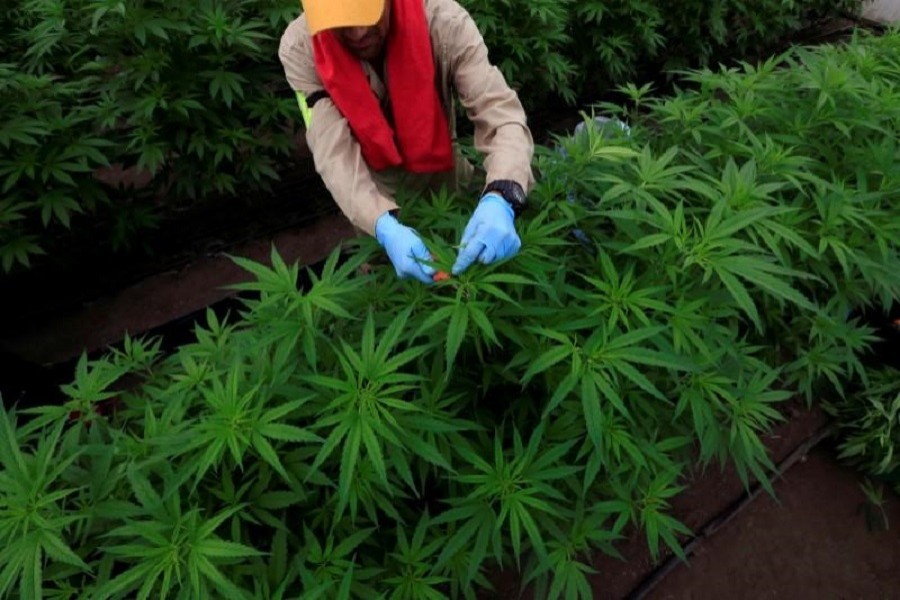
[368,437]
[594,45]
[188,96]
[192,99]
[828,122]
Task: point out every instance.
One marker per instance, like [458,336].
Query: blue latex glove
[405,249]
[490,235]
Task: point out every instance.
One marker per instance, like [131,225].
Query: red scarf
[421,141]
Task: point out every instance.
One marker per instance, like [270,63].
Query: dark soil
[83,266]
[39,354]
[711,495]
[812,542]
[818,538]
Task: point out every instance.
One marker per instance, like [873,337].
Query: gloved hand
[490,235]
[404,247]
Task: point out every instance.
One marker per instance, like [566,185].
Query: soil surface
[812,542]
[166,296]
[710,494]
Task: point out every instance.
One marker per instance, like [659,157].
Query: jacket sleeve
[502,135]
[336,153]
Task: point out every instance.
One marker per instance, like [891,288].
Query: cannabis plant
[869,422]
[189,98]
[369,437]
[563,49]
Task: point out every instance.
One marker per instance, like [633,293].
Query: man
[374,79]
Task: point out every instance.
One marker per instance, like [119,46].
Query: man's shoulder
[442,12]
[295,37]
[450,25]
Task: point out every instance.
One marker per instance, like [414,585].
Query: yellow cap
[328,14]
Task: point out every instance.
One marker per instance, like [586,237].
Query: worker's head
[360,25]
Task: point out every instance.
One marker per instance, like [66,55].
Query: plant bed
[371,436]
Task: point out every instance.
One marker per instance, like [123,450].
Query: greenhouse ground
[812,541]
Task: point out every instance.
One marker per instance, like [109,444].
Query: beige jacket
[461,60]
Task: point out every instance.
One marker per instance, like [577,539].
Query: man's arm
[336,153]
[501,130]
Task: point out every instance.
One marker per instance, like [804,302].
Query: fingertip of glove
[458,267]
[487,257]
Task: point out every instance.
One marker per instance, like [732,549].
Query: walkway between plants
[167,296]
[812,541]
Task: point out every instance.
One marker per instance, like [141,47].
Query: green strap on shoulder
[305,110]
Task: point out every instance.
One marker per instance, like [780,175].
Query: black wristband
[510,191]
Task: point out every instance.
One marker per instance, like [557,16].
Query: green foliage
[808,176]
[869,422]
[565,49]
[531,42]
[832,170]
[190,99]
[368,437]
[190,96]
[626,35]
